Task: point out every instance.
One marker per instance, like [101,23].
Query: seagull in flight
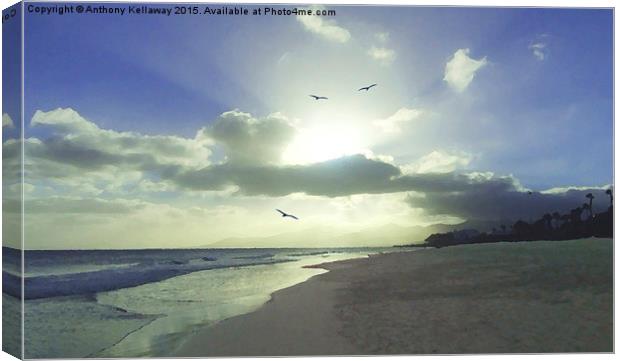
[316,97]
[286,214]
[367,88]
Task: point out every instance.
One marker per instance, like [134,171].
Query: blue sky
[529,97]
[163,75]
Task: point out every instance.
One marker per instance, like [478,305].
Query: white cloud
[251,140]
[539,50]
[439,162]
[148,186]
[559,190]
[82,141]
[7,121]
[461,69]
[384,55]
[503,198]
[402,115]
[540,46]
[83,159]
[328,29]
[16,189]
[383,36]
[284,58]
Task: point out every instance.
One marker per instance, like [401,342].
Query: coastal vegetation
[579,222]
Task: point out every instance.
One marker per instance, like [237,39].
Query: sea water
[136,303]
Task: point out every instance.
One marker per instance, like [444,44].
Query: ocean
[133,303]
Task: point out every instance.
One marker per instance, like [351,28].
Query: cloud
[382,36]
[251,140]
[392,123]
[284,58]
[384,55]
[540,46]
[79,142]
[11,162]
[349,175]
[81,158]
[461,69]
[440,162]
[74,205]
[539,50]
[492,203]
[558,190]
[344,176]
[7,121]
[472,196]
[61,222]
[328,29]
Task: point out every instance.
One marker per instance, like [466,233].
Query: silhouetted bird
[316,97]
[286,214]
[367,88]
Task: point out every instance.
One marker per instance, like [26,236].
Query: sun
[324,142]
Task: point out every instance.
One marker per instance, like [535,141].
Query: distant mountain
[382,236]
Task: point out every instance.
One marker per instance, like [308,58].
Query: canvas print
[304,179]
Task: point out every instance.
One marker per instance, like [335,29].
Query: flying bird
[367,88]
[286,214]
[316,97]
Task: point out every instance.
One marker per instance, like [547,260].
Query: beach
[522,297]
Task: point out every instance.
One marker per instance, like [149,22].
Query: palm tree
[503,226]
[611,197]
[591,197]
[586,207]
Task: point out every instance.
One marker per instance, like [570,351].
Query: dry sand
[528,297]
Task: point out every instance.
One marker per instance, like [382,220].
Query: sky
[184,131]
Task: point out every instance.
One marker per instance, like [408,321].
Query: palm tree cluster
[579,222]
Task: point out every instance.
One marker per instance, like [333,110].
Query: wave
[258,256]
[309,254]
[108,279]
[81,272]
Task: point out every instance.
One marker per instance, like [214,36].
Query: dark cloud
[338,177]
[487,202]
[480,196]
[344,176]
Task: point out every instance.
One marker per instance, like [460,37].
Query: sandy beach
[527,297]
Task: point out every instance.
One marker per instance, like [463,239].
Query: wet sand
[527,297]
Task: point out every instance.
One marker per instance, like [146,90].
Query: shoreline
[288,340]
[525,297]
